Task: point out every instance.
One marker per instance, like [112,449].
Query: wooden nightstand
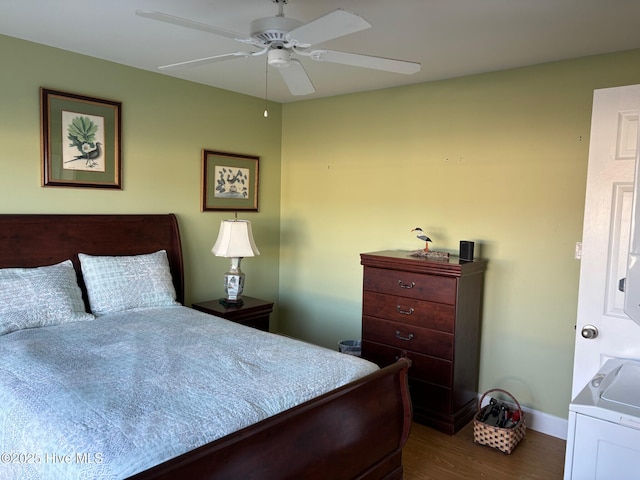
[253,313]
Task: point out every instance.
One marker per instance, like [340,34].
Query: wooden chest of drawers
[430,312]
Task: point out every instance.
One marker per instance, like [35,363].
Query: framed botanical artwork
[81,145]
[229,181]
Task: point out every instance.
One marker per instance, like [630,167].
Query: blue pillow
[40,297]
[119,283]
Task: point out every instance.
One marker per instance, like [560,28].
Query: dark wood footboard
[354,432]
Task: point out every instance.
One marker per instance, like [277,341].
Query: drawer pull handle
[406,285]
[404,312]
[400,337]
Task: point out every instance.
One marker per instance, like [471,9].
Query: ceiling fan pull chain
[266,85]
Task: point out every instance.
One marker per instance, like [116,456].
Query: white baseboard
[545,423]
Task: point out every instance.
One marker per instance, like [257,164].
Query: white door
[605,239]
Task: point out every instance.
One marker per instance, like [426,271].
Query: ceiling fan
[282,38]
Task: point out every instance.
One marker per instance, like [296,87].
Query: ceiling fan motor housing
[273,29]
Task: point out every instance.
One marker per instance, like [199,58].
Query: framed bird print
[229,181]
[81,145]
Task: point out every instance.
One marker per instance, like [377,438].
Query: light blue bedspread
[108,398]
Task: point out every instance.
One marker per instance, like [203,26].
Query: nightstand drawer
[422,366]
[408,337]
[437,316]
[433,288]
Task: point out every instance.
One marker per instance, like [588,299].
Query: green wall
[498,158]
[165,125]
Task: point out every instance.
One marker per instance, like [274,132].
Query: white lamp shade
[235,239]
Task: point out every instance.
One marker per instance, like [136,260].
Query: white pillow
[115,284]
[40,297]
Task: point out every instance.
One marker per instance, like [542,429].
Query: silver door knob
[589,332]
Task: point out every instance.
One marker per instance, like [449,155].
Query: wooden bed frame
[354,432]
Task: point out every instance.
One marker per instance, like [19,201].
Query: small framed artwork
[81,145]
[229,181]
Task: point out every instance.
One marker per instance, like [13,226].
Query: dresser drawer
[423,367]
[433,288]
[429,399]
[408,337]
[437,316]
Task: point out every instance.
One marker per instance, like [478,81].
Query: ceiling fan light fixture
[279,58]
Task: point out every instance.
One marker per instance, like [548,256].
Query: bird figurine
[422,236]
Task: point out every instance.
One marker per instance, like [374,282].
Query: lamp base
[231,303]
[233,285]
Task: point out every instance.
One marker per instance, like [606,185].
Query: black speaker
[466,250]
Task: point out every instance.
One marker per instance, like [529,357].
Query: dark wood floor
[432,455]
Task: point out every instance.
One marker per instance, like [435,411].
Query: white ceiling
[450,38]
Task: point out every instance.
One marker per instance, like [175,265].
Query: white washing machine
[603,441]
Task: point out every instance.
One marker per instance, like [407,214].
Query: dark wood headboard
[34,240]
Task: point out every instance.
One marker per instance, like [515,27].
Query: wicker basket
[504,439]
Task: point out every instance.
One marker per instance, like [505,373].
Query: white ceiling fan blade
[366,61]
[327,27]
[183,22]
[205,61]
[296,78]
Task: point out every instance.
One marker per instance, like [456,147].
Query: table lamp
[235,241]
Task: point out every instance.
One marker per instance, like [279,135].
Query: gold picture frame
[81,141]
[229,181]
